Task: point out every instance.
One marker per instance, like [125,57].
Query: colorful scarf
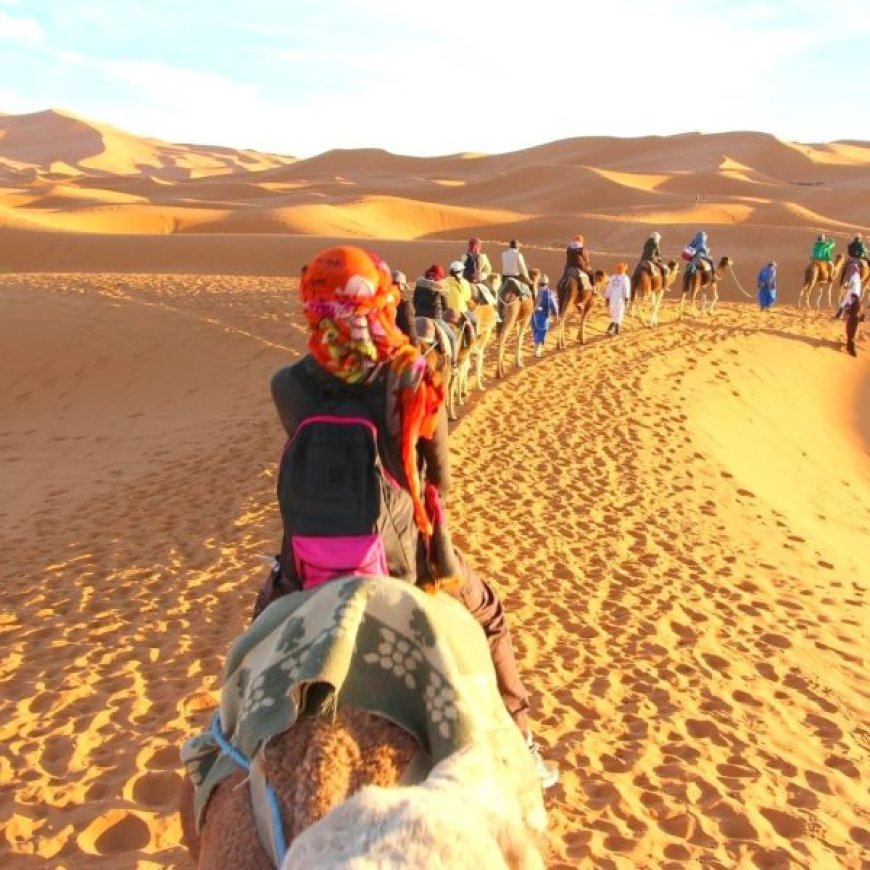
[350,303]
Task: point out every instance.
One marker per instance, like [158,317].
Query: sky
[450,76]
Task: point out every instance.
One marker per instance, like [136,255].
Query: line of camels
[823,275]
[576,296]
[319,763]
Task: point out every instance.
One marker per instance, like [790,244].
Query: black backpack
[343,512]
[471,269]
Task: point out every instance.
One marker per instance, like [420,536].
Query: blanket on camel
[377,644]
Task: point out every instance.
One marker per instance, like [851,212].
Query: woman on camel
[577,259]
[356,350]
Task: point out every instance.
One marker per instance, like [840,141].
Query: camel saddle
[652,268]
[372,643]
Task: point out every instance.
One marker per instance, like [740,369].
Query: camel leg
[521,337]
[582,334]
[479,367]
[499,366]
[715,290]
[451,396]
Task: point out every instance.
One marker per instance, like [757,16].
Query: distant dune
[757,196]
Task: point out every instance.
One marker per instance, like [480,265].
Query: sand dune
[685,567]
[677,519]
[757,196]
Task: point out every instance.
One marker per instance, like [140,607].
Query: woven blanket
[383,646]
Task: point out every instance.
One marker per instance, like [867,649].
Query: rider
[476,267]
[458,292]
[513,264]
[430,300]
[702,253]
[857,249]
[577,259]
[823,249]
[652,253]
[355,348]
[405,307]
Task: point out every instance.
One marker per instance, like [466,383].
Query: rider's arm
[436,456]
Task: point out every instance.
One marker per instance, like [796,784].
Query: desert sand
[677,518]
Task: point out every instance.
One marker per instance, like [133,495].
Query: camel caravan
[455,315]
[825,271]
[372,714]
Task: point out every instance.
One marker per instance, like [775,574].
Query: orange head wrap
[621,268]
[350,303]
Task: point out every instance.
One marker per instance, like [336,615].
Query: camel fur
[820,274]
[469,813]
[698,283]
[313,767]
[577,295]
[648,288]
[516,316]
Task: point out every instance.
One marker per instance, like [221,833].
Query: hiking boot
[548,773]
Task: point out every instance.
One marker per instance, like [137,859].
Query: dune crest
[100,191]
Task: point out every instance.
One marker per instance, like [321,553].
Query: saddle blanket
[382,645]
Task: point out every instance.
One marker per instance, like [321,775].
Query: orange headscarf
[350,303]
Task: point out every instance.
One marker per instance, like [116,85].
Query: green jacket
[823,250]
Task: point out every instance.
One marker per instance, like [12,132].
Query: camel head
[600,279]
[725,261]
[493,281]
[673,271]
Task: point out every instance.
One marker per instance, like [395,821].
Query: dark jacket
[651,250]
[429,299]
[576,258]
[294,402]
[857,248]
[299,394]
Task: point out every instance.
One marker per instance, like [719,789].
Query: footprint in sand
[114,833]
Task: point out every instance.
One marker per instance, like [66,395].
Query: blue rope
[274,807]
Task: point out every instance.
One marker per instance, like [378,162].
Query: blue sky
[443,77]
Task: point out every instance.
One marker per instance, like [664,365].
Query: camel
[648,287]
[267,797]
[436,347]
[516,315]
[486,323]
[818,274]
[577,294]
[465,814]
[314,766]
[698,282]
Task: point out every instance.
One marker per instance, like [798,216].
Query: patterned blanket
[384,646]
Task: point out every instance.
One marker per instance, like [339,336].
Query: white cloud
[25,29]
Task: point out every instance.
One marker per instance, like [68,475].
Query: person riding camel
[360,361]
[857,250]
[405,307]
[576,261]
[476,267]
[823,249]
[430,300]
[652,254]
[513,265]
[701,259]
[458,292]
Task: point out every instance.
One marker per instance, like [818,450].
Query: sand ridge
[157,206]
[695,649]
